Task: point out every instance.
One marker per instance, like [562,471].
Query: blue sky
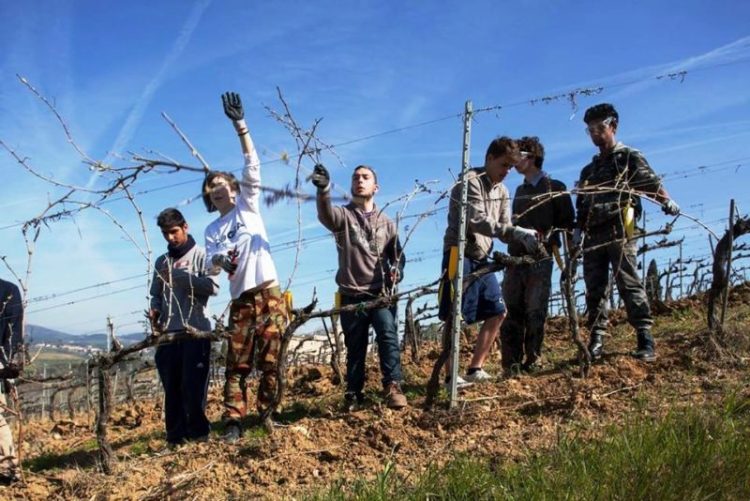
[365,68]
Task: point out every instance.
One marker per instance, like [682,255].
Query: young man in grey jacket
[179,294]
[371,262]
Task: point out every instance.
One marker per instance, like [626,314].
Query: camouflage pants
[257,322]
[596,263]
[526,292]
[8,458]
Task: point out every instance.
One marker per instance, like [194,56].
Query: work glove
[225,262]
[320,177]
[12,371]
[528,238]
[395,275]
[670,208]
[153,318]
[233,106]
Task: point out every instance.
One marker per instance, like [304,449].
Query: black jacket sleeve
[11,305]
[564,213]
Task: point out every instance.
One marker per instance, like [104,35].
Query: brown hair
[233,183]
[503,146]
[533,147]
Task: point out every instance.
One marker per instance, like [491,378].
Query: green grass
[139,448]
[81,455]
[690,455]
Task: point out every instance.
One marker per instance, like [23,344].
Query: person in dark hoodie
[540,203]
[179,295]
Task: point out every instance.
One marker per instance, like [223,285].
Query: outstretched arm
[249,194]
[329,216]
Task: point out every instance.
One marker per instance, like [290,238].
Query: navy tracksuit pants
[183,370]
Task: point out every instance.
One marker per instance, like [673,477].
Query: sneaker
[531,367]
[480,376]
[394,397]
[232,433]
[200,440]
[353,400]
[461,384]
[10,477]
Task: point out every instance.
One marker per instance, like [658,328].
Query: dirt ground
[316,443]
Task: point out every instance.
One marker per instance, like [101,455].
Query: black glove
[670,208]
[12,371]
[225,262]
[320,177]
[233,106]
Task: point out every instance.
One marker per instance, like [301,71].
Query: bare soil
[317,443]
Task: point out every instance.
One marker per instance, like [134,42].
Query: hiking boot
[232,433]
[394,397]
[353,400]
[461,384]
[480,376]
[645,350]
[596,346]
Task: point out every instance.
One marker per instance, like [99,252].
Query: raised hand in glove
[225,262]
[528,238]
[233,106]
[320,177]
[670,207]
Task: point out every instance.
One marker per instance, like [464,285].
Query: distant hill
[36,334]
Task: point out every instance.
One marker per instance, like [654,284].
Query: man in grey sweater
[487,218]
[179,295]
[371,262]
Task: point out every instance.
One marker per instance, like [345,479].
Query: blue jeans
[356,327]
[481,300]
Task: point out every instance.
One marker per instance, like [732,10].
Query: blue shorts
[480,301]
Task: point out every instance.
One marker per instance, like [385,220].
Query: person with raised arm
[237,243]
[371,262]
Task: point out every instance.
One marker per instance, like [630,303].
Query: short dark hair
[502,146]
[169,218]
[534,147]
[374,174]
[235,185]
[601,111]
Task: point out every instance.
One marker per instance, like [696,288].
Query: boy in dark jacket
[179,295]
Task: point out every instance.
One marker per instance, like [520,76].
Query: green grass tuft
[689,455]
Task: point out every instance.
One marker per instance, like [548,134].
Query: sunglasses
[600,127]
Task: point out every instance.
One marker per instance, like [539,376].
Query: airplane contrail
[136,114]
